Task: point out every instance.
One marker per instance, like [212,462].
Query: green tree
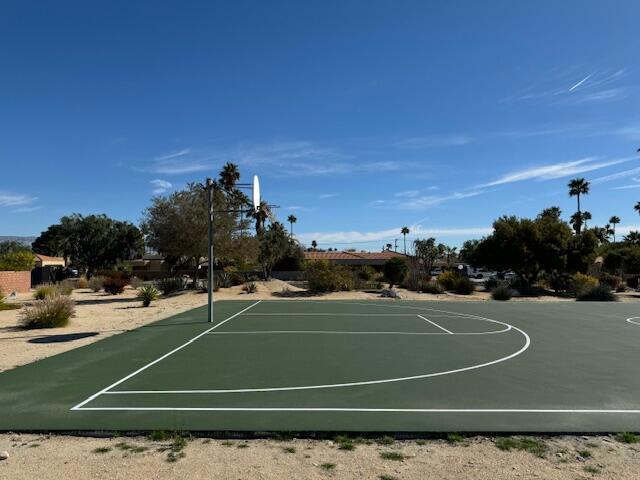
[450,254]
[395,271]
[405,231]
[18,261]
[614,220]
[91,243]
[229,176]
[10,246]
[467,251]
[636,207]
[553,212]
[428,252]
[261,215]
[577,187]
[274,245]
[291,219]
[314,244]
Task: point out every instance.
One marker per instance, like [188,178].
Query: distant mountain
[26,240]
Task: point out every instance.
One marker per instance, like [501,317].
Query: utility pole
[396,245]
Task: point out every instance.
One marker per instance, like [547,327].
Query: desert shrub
[17,261]
[581,283]
[96,283]
[597,293]
[448,280]
[432,287]
[632,282]
[170,285]
[326,277]
[490,284]
[115,284]
[147,293]
[51,312]
[250,287]
[502,293]
[366,273]
[612,281]
[464,286]
[65,287]
[45,291]
[395,271]
[82,282]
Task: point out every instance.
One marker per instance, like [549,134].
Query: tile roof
[351,255]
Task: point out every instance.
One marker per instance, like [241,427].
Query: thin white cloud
[617,175]
[581,82]
[160,186]
[27,209]
[428,201]
[298,208]
[553,171]
[324,196]
[631,132]
[172,155]
[8,199]
[431,141]
[627,187]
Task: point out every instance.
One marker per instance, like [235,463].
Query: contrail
[581,82]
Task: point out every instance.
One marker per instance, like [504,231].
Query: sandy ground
[44,457]
[71,458]
[109,315]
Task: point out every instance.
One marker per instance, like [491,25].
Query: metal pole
[210,254]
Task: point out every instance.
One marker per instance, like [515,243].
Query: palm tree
[636,207]
[229,176]
[314,244]
[450,252]
[614,221]
[576,221]
[405,231]
[291,219]
[586,216]
[632,237]
[577,187]
[260,215]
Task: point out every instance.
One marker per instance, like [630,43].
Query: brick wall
[15,282]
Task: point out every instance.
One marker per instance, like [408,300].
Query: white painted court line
[347,332]
[104,390]
[435,324]
[317,314]
[631,320]
[371,410]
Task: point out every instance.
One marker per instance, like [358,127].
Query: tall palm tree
[405,231]
[450,252]
[291,219]
[614,221]
[577,187]
[229,176]
[260,215]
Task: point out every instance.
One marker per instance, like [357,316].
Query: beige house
[46,261]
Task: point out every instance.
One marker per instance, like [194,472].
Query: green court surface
[393,366]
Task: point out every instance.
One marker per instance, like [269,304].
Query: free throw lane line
[435,324]
[141,369]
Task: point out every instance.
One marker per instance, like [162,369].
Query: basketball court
[309,365]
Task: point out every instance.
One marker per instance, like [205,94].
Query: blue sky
[359,117]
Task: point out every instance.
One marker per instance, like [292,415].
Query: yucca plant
[51,312]
[250,287]
[148,293]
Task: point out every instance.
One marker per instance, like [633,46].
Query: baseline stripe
[373,410]
[346,332]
